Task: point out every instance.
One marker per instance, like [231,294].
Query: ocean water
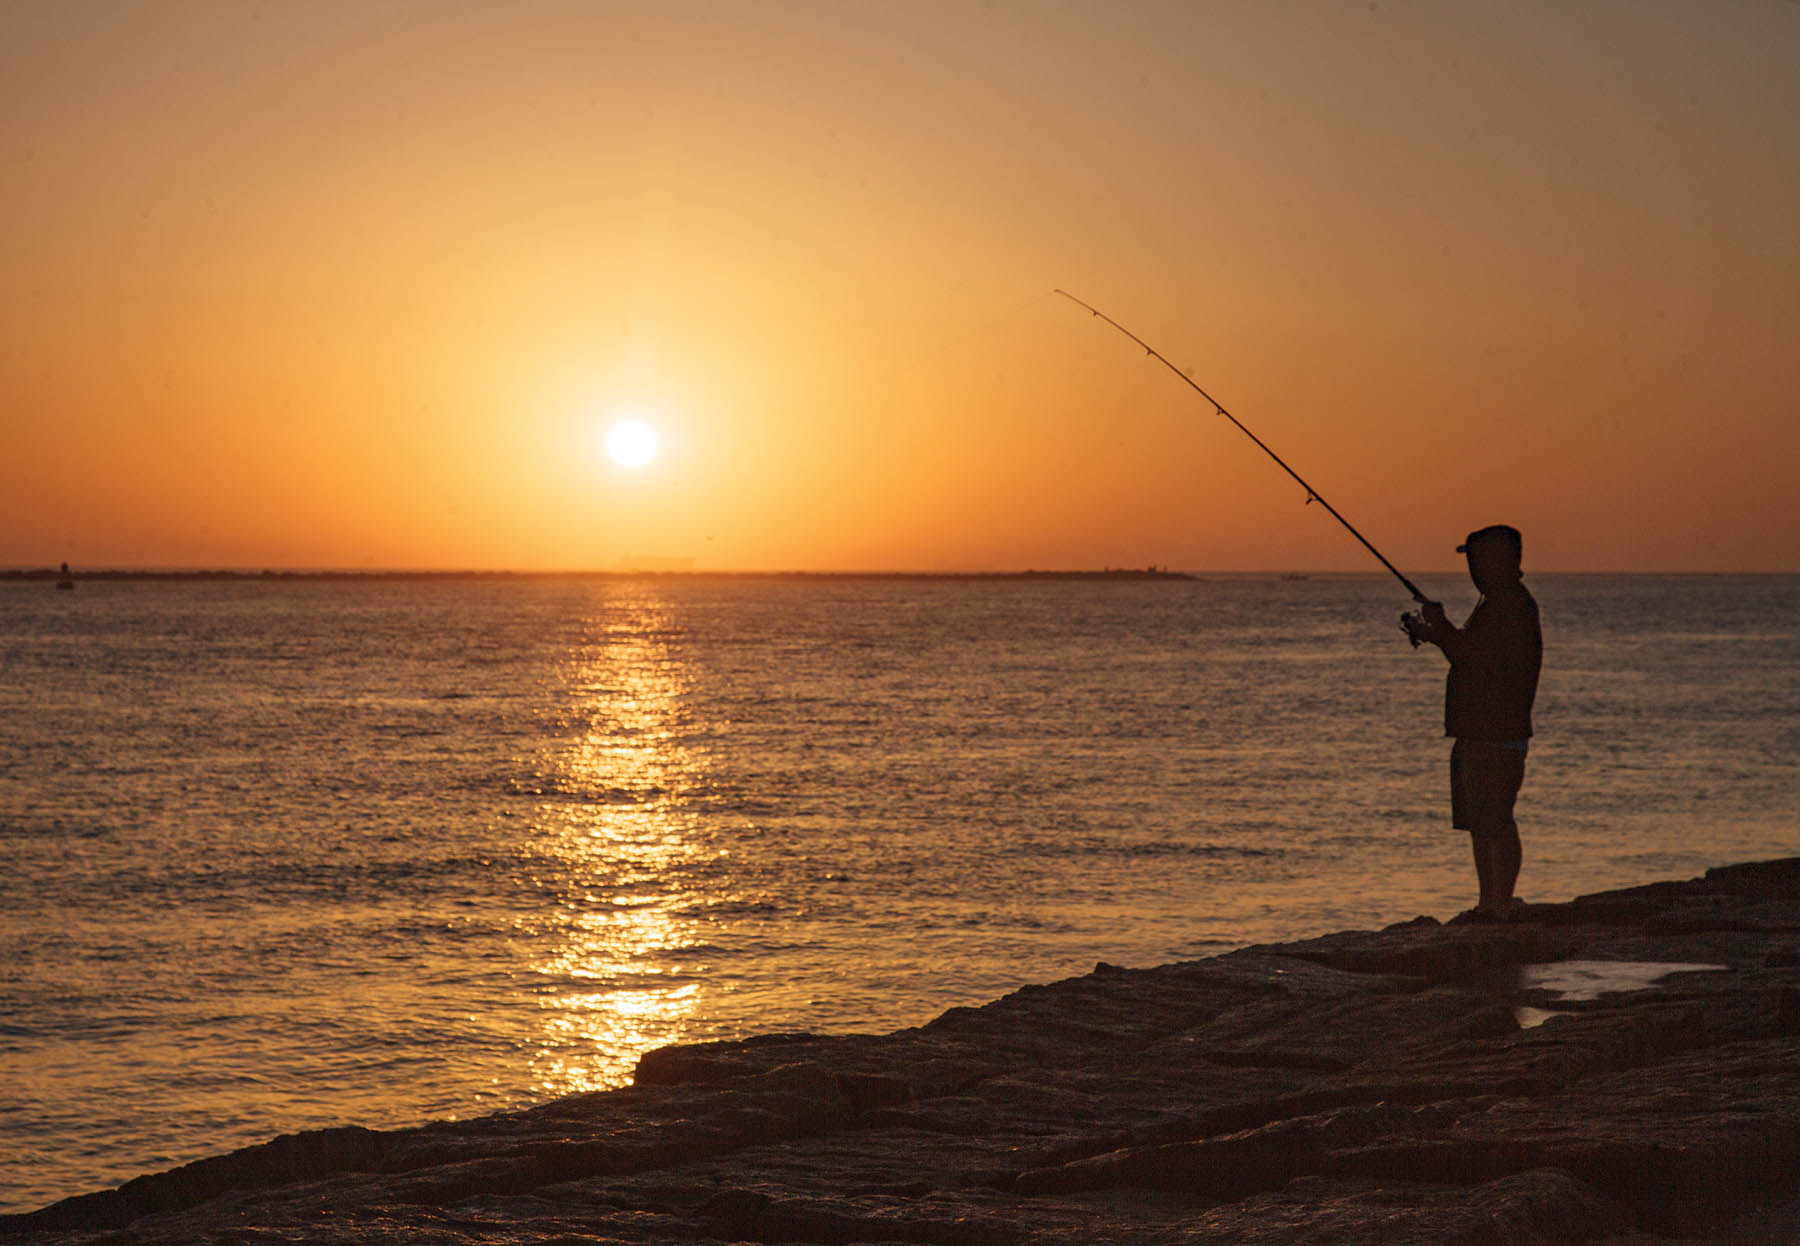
[290,853]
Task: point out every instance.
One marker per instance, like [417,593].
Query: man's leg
[1509,854]
[1484,868]
[1484,783]
[1498,855]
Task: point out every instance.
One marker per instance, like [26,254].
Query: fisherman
[1494,661]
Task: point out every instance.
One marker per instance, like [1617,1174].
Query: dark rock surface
[1362,1087]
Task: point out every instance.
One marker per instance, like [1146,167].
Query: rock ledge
[1410,1084]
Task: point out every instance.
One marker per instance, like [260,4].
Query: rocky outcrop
[1422,1083]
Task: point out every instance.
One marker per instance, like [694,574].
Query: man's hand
[1428,624]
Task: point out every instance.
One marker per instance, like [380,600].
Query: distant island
[1151,572]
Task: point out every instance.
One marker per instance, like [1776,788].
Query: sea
[279,853]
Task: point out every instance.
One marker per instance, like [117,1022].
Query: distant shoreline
[1108,573]
[35,575]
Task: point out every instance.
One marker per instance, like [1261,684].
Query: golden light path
[618,986]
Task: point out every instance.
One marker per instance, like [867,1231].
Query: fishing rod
[1312,495]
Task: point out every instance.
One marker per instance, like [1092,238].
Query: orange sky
[358,284]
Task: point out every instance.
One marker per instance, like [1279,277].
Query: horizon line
[1149,571]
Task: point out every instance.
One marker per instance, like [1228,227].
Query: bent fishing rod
[1312,494]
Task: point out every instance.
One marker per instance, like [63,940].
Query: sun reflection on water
[624,975]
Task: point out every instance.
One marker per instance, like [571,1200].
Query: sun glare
[631,443]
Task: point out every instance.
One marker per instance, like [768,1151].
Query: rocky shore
[1621,1068]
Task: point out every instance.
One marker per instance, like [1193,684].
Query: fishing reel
[1415,625]
[1411,624]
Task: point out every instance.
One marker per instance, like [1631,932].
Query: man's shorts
[1484,782]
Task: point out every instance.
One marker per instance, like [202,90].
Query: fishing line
[1312,494]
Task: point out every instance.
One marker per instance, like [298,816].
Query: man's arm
[1433,626]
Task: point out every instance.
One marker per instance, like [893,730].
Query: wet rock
[1417,1084]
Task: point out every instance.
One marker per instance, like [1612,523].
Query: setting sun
[631,443]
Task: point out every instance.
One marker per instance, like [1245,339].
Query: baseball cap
[1493,532]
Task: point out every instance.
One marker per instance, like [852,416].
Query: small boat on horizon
[67,581]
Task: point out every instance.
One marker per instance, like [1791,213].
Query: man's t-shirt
[1493,680]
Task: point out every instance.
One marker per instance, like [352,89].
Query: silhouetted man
[1494,661]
